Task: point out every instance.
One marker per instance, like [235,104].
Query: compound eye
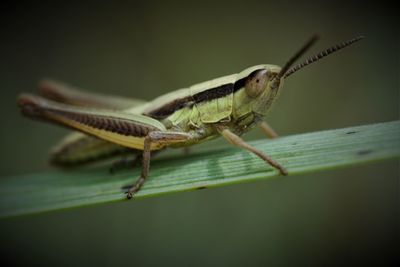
[256,83]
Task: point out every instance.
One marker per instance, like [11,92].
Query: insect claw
[128,191]
[129,195]
[283,171]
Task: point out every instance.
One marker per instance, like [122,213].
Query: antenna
[317,57]
[296,56]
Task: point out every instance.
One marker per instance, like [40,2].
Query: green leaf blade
[304,153]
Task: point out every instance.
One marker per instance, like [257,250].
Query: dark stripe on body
[214,93]
[207,95]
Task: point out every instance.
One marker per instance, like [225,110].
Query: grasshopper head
[260,86]
[259,81]
[264,82]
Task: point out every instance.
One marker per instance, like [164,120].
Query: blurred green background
[147,48]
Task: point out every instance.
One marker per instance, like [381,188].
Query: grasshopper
[229,106]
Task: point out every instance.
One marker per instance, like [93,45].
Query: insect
[228,106]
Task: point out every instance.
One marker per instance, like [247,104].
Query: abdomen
[78,148]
